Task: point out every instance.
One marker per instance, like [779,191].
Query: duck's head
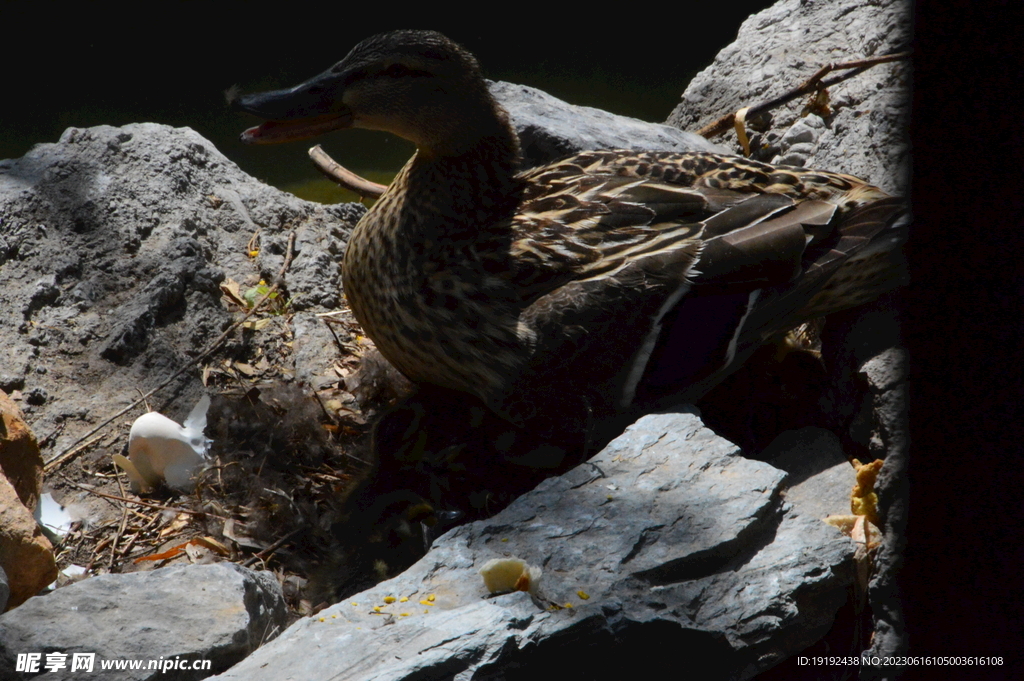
[418,85]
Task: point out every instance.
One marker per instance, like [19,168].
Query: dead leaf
[231,290]
[213,545]
[164,555]
[180,521]
[244,368]
[256,324]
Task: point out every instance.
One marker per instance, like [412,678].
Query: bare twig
[147,504]
[70,454]
[813,83]
[323,408]
[270,549]
[120,528]
[289,250]
[343,176]
[131,542]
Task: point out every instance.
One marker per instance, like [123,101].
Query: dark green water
[116,68]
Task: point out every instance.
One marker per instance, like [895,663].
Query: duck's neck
[471,169]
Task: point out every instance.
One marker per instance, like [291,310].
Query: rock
[116,242]
[218,612]
[779,48]
[26,556]
[20,460]
[666,540]
[820,477]
[549,128]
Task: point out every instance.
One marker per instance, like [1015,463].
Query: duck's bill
[274,132]
[306,110]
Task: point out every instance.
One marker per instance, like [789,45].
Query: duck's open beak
[306,110]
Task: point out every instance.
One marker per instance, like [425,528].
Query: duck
[608,282]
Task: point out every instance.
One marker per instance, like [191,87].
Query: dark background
[96,65]
[964,328]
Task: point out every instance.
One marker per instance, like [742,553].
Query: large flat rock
[677,542]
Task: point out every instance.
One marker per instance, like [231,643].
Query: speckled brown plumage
[553,291]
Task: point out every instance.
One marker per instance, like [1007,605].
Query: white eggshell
[160,449]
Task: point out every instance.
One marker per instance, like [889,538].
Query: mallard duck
[603,282]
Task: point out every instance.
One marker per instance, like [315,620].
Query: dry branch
[343,176]
[812,84]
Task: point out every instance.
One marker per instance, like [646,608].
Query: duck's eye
[397,70]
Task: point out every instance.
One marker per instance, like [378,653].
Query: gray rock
[218,612]
[820,477]
[677,542]
[116,241]
[886,370]
[549,128]
[779,48]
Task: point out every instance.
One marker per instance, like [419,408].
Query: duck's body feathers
[567,289]
[578,288]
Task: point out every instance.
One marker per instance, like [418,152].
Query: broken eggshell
[52,517]
[160,449]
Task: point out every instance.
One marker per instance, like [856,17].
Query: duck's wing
[607,244]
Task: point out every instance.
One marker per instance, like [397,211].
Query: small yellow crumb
[322,619]
[567,605]
[403,599]
[334,617]
[355,605]
[583,594]
[403,614]
[389,599]
[376,608]
[425,602]
[430,597]
[505,539]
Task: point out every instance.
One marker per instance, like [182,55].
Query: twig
[813,83]
[120,528]
[343,176]
[270,549]
[289,249]
[337,340]
[141,503]
[143,398]
[70,454]
[203,355]
[323,408]
[131,542]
